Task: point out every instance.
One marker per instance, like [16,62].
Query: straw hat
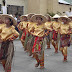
[56,16]
[70,16]
[30,15]
[21,17]
[64,17]
[1,16]
[44,19]
[47,15]
[11,17]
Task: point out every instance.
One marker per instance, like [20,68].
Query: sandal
[36,65]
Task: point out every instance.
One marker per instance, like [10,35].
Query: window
[12,9]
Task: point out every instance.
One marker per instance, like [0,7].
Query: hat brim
[64,18]
[21,17]
[14,21]
[70,17]
[55,17]
[44,19]
[30,15]
[47,15]
[1,16]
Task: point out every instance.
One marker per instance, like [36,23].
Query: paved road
[53,62]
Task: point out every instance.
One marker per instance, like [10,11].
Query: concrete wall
[54,6]
[33,6]
[0,1]
[18,3]
[60,7]
[39,6]
[50,5]
[43,6]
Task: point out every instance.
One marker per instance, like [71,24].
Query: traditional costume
[22,25]
[38,31]
[55,26]
[2,25]
[64,36]
[7,48]
[48,25]
[28,40]
[70,23]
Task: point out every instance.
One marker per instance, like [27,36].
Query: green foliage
[51,14]
[59,13]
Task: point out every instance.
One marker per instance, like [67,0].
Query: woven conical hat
[56,16]
[64,17]
[44,19]
[21,17]
[11,17]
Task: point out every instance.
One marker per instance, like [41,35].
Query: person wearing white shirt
[68,13]
[15,17]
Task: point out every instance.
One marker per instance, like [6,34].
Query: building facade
[54,6]
[16,6]
[47,6]
[35,6]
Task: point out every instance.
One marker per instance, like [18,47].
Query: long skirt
[6,53]
[64,40]
[38,50]
[23,35]
[39,46]
[48,40]
[30,44]
[28,36]
[55,35]
[71,38]
[20,32]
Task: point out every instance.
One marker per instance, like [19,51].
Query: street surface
[53,62]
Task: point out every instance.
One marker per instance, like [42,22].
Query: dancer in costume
[22,25]
[31,37]
[38,31]
[64,35]
[1,26]
[48,25]
[18,21]
[70,23]
[27,43]
[7,36]
[55,26]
